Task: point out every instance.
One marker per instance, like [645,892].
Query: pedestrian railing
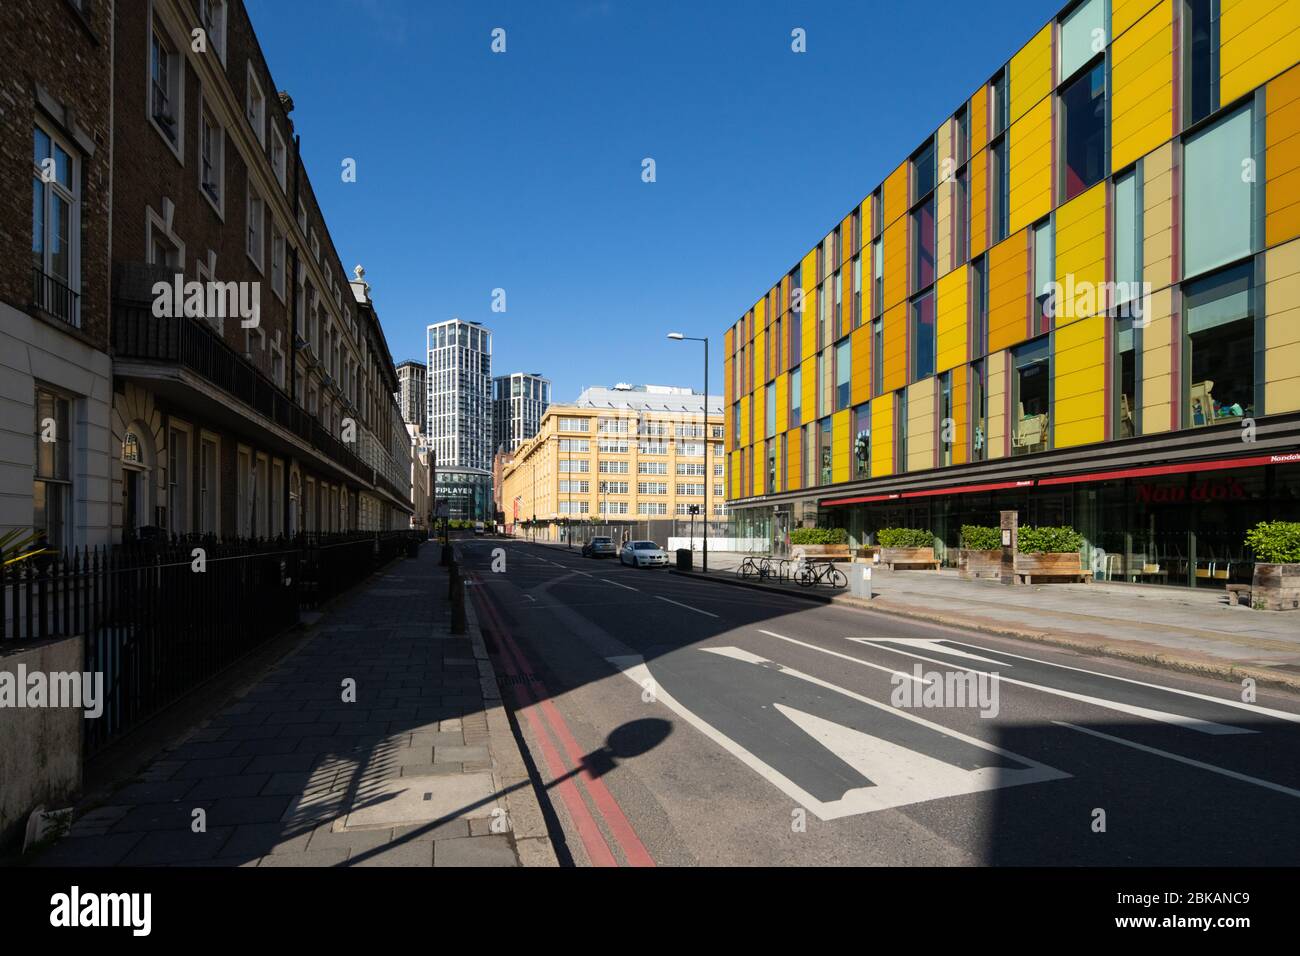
[160,618]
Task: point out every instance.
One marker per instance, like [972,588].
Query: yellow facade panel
[1081,254]
[745,438]
[841,447]
[1031,74]
[1258,39]
[808,401]
[1125,13]
[951,320]
[1142,98]
[793,460]
[1282,329]
[1030,162]
[1157,365]
[882,437]
[922,431]
[996,445]
[1158,217]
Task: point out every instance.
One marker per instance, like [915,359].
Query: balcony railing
[53,297]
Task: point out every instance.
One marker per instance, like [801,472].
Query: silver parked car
[643,554]
[600,547]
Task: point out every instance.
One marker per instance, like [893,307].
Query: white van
[478,527]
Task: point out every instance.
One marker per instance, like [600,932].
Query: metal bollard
[453,578]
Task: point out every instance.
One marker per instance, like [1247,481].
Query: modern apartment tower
[518,402]
[413,394]
[459,376]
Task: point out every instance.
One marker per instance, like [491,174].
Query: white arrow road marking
[846,657]
[1268,784]
[912,779]
[1178,720]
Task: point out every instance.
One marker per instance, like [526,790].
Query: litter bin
[684,559]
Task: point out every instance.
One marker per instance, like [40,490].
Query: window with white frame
[52,478]
[56,229]
[256,236]
[255,106]
[212,13]
[279,158]
[652,507]
[209,486]
[164,248]
[164,87]
[178,479]
[212,147]
[277,261]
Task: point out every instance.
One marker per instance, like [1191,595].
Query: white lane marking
[585,574]
[1240,705]
[1267,784]
[930,643]
[865,799]
[530,597]
[1178,720]
[846,657]
[687,606]
[617,585]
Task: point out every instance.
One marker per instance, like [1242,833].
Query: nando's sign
[1218,490]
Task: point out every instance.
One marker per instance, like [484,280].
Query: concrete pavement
[381,741]
[680,721]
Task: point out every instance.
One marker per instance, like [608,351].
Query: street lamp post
[708,471]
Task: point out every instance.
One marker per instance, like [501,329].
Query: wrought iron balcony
[54,298]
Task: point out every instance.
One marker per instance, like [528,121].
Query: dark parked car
[599,548]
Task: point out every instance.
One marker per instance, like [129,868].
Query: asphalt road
[676,722]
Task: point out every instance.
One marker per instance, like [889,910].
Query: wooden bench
[1027,577]
[1238,594]
[927,565]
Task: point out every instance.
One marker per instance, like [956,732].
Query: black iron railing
[53,297]
[159,619]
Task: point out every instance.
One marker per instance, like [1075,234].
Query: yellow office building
[1078,297]
[615,460]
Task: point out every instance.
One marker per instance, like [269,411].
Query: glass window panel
[1083,104]
[923,337]
[38,224]
[842,369]
[1126,236]
[1216,198]
[923,243]
[1080,41]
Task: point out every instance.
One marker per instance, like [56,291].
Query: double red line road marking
[534,701]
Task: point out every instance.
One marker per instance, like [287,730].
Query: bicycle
[821,573]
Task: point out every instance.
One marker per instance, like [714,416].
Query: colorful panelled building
[1079,298]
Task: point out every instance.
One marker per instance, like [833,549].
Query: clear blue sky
[522,170]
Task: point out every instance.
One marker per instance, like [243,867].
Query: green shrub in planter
[975,537]
[905,538]
[1275,542]
[1049,540]
[820,536]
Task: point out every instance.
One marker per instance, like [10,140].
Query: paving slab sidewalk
[418,767]
[1189,629]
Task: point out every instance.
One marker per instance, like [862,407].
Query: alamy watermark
[84,691]
[208,300]
[944,689]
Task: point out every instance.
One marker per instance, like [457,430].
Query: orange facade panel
[978,109]
[979,203]
[896,193]
[1009,277]
[860,362]
[895,284]
[1282,189]
[793,460]
[895,357]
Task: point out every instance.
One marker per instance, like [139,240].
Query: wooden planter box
[980,564]
[896,558]
[1051,566]
[835,552]
[868,555]
[1275,587]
